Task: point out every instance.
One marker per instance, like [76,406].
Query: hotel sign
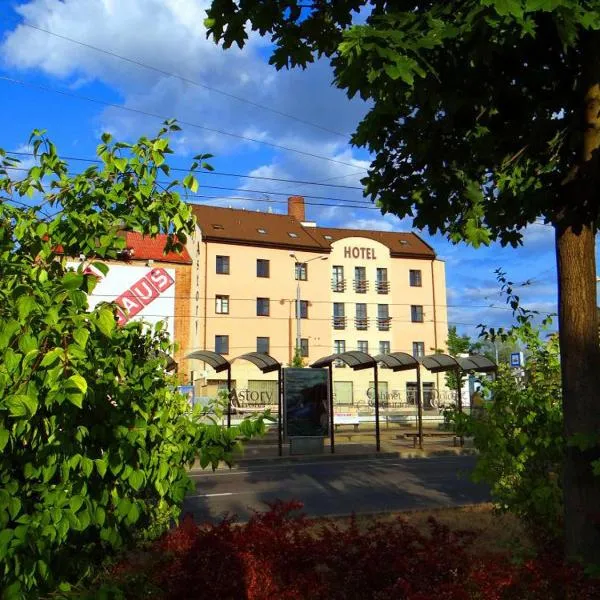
[359,252]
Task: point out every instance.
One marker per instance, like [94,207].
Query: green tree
[457,344]
[95,441]
[484,116]
[297,361]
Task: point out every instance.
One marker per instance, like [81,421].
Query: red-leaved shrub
[285,556]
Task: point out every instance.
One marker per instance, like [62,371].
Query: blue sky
[169,35]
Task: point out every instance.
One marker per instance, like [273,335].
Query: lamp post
[298,315]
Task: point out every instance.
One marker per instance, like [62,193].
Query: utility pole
[297,270]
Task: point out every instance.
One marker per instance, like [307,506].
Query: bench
[456,439]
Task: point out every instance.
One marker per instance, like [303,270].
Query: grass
[498,532]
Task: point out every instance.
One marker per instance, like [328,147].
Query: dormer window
[292,235]
[217,226]
[262,231]
[327,237]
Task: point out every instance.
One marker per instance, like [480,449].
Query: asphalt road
[337,487]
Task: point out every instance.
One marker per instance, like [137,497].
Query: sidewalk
[350,446]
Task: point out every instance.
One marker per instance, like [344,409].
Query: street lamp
[297,275]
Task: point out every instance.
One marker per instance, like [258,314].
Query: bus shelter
[401,361]
[357,361]
[265,362]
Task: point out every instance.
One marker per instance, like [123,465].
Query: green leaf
[100,516]
[190,182]
[136,479]
[51,357]
[72,280]
[101,466]
[4,437]
[81,336]
[105,320]
[77,382]
[120,163]
[134,513]
[75,503]
[25,304]
[87,465]
[102,267]
[21,405]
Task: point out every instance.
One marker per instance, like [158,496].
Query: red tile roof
[251,228]
[148,248]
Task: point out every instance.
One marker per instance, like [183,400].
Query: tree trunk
[580,364]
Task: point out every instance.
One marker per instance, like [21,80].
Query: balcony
[361,323]
[339,322]
[383,287]
[384,323]
[361,286]
[338,285]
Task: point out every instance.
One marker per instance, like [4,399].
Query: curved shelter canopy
[438,363]
[355,359]
[216,361]
[265,362]
[477,363]
[397,361]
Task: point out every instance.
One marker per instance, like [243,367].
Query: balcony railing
[361,286]
[383,287]
[383,323]
[339,322]
[362,323]
[338,285]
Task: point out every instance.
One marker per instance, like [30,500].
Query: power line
[185,79]
[223,174]
[164,118]
[252,191]
[354,204]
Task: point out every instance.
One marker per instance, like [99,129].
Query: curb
[327,457]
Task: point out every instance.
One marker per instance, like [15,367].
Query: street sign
[516,359]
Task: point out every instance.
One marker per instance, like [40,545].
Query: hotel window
[415,278]
[303,309]
[383,317]
[416,313]
[304,347]
[262,267]
[262,345]
[222,305]
[262,307]
[339,315]
[363,346]
[383,285]
[222,344]
[360,280]
[361,317]
[339,346]
[301,271]
[418,349]
[384,347]
[223,265]
[337,279]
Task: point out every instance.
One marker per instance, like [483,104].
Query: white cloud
[170,35]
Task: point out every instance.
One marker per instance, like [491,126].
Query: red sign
[142,293]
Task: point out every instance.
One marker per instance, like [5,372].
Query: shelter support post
[377,433]
[229,392]
[280,412]
[331,419]
[419,407]
[459,398]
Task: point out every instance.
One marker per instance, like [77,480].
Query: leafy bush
[279,554]
[94,438]
[520,433]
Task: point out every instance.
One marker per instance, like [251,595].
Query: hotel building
[373,291]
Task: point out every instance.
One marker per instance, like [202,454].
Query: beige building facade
[359,290]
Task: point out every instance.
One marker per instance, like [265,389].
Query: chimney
[296,208]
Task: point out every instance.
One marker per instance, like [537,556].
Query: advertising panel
[306,406]
[143,293]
